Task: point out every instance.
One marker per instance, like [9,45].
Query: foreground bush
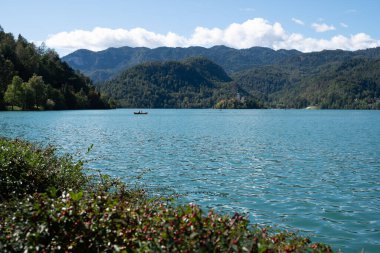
[26,168]
[105,216]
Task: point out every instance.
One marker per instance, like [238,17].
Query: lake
[315,171]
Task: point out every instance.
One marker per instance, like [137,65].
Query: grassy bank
[49,204]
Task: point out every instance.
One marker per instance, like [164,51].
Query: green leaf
[76,196]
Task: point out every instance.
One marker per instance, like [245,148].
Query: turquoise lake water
[313,171]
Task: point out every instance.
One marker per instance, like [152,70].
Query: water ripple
[316,171]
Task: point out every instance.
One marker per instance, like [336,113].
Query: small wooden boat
[140,113]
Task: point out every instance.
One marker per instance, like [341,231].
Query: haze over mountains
[101,65]
[264,77]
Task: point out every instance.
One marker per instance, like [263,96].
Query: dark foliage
[26,169]
[342,84]
[192,83]
[63,87]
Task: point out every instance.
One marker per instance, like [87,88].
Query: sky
[304,25]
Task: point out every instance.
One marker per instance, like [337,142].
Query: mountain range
[254,77]
[101,65]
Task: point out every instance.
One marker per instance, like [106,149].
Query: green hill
[192,83]
[36,78]
[352,83]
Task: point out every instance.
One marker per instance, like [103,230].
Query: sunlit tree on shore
[14,93]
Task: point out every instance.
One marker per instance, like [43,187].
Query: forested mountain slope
[200,83]
[261,76]
[342,84]
[101,65]
[36,78]
[192,83]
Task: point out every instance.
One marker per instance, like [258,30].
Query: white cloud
[354,42]
[253,32]
[323,27]
[298,21]
[102,38]
[256,31]
[344,25]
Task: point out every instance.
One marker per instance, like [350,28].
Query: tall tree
[6,74]
[14,93]
[39,90]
